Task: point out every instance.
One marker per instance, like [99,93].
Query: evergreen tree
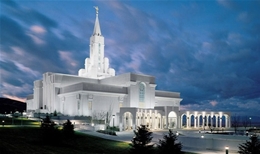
[47,122]
[250,147]
[141,141]
[68,128]
[169,145]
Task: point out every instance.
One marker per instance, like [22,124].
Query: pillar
[211,120]
[195,122]
[216,121]
[220,122]
[181,121]
[187,122]
[203,121]
[207,121]
[120,122]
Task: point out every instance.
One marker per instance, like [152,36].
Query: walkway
[126,136]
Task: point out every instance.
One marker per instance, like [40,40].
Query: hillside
[8,105]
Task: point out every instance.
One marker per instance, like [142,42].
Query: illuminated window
[141,92]
[90,105]
[99,48]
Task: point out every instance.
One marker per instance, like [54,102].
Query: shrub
[141,141]
[169,145]
[68,128]
[113,128]
[250,147]
[109,132]
[47,123]
[49,134]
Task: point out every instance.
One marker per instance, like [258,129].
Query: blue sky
[209,51]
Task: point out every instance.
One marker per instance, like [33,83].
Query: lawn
[17,121]
[24,140]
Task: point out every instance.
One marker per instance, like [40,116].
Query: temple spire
[97,30]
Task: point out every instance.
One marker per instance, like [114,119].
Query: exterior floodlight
[226,149]
[202,136]
[177,133]
[92,124]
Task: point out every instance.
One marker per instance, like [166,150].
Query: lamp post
[12,118]
[226,149]
[3,123]
[21,119]
[250,121]
[113,120]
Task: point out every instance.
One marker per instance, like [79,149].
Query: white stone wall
[37,94]
[167,102]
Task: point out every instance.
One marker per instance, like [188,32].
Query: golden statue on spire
[96,7]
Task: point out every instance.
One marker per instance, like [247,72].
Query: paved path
[126,136]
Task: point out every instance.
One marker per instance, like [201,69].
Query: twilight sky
[209,51]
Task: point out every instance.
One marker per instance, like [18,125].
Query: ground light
[202,136]
[226,149]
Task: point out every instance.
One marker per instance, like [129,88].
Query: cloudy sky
[209,51]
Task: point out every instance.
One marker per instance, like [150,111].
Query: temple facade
[130,99]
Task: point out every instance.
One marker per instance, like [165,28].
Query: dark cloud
[35,51]
[217,69]
[203,53]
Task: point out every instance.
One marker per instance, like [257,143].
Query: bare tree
[98,117]
[245,122]
[211,127]
[235,122]
[109,114]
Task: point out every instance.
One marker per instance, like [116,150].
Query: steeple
[97,30]
[97,65]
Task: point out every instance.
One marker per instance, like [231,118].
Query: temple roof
[97,30]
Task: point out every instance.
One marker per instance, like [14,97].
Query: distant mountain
[7,105]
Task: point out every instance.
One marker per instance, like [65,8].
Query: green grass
[18,121]
[24,140]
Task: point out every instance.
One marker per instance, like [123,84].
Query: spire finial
[96,7]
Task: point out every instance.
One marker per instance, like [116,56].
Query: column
[225,121]
[203,121]
[220,122]
[187,122]
[207,120]
[195,122]
[229,121]
[120,122]
[216,121]
[211,120]
[181,122]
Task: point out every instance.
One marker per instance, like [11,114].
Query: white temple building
[131,98]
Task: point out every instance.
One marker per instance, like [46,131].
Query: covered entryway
[172,120]
[127,121]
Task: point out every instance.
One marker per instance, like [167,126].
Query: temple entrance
[127,121]
[172,120]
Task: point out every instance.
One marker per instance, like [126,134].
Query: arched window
[142,92]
